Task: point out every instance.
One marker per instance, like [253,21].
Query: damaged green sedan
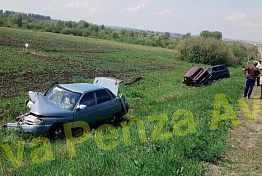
[95,104]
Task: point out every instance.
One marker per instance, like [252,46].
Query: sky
[236,19]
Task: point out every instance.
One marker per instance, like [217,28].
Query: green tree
[66,31]
[59,26]
[83,24]
[94,27]
[131,34]
[123,32]
[17,19]
[1,20]
[86,32]
[1,11]
[205,33]
[76,31]
[215,34]
[115,35]
[68,24]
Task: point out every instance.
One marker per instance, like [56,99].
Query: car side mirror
[81,107]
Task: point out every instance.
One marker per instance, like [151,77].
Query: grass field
[55,57]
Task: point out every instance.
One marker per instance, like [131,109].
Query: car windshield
[62,97]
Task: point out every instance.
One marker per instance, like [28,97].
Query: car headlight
[32,120]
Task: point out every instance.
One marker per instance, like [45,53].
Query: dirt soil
[29,80]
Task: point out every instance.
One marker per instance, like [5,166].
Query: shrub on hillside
[76,31]
[206,50]
[66,31]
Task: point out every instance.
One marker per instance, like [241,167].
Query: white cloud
[142,5]
[243,20]
[236,17]
[83,5]
[162,13]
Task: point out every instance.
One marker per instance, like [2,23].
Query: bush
[66,31]
[86,32]
[239,50]
[206,50]
[76,31]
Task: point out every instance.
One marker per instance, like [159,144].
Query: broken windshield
[62,97]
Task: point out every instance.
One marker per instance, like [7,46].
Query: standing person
[251,74]
[259,67]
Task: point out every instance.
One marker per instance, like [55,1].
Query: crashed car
[196,76]
[218,72]
[95,104]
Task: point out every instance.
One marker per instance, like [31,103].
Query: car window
[88,99]
[112,95]
[221,68]
[215,68]
[102,96]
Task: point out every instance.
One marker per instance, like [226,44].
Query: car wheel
[57,133]
[116,120]
[77,132]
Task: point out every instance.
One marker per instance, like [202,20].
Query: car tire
[77,132]
[57,133]
[116,120]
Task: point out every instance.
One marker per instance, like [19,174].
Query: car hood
[41,106]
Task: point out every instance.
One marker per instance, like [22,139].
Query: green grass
[55,57]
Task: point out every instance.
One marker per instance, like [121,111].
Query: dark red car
[196,76]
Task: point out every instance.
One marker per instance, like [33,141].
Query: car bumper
[35,130]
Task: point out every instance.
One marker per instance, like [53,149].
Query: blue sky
[237,19]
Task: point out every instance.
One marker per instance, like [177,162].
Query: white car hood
[110,83]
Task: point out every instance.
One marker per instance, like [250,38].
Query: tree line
[83,28]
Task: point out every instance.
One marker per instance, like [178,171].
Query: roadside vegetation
[55,57]
[212,50]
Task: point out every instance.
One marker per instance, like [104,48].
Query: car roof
[218,65]
[81,87]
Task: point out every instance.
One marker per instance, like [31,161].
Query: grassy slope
[67,59]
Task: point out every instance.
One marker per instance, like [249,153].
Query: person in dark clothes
[251,74]
[259,67]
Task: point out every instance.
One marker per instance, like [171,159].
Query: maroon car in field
[196,76]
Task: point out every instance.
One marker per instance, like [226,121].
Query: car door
[215,73]
[223,71]
[89,113]
[106,105]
